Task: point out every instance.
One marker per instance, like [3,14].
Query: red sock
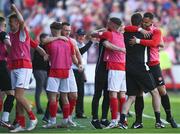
[72,104]
[66,109]
[17,117]
[1,105]
[22,121]
[53,108]
[121,103]
[31,115]
[114,107]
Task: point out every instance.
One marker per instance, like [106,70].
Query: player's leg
[139,107]
[95,103]
[105,106]
[64,91]
[72,96]
[21,82]
[8,105]
[52,90]
[115,81]
[157,74]
[122,94]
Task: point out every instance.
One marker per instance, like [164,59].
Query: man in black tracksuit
[100,86]
[138,76]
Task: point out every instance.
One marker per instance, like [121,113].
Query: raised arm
[96,33]
[146,33]
[19,16]
[86,47]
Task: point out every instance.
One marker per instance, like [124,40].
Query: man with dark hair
[72,93]
[61,56]
[5,80]
[138,76]
[56,25]
[116,68]
[115,58]
[67,99]
[148,15]
[136,19]
[155,69]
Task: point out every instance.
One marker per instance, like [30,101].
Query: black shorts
[5,79]
[157,74]
[137,82]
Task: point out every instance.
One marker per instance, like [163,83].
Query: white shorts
[72,81]
[20,78]
[116,81]
[57,85]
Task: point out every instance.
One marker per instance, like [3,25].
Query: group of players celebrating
[130,59]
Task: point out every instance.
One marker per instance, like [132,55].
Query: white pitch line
[79,125]
[152,117]
[144,115]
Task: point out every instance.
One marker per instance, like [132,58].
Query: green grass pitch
[84,125]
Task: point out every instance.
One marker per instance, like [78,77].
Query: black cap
[81,32]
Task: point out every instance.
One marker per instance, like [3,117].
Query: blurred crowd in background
[92,14]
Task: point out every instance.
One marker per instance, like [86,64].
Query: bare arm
[111,46]
[75,60]
[77,53]
[20,17]
[51,39]
[78,56]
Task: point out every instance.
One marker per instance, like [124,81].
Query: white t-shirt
[84,56]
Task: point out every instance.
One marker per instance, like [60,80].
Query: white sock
[114,120]
[5,116]
[65,120]
[69,117]
[118,116]
[53,120]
